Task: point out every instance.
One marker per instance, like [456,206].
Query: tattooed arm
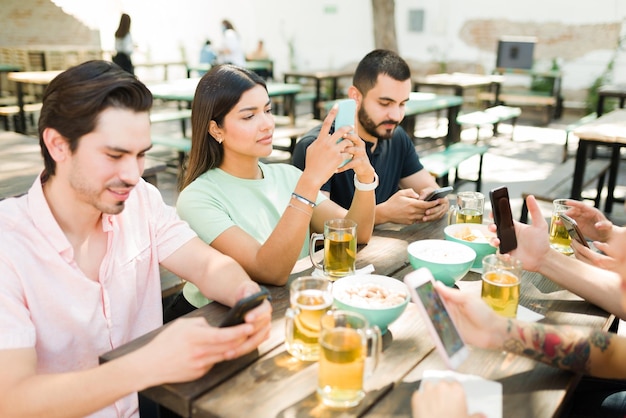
[580,350]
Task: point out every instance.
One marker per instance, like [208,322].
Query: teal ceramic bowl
[447,261]
[380,299]
[475,236]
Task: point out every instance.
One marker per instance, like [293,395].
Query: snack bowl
[448,261]
[475,236]
[380,299]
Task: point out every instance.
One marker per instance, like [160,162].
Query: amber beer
[339,254]
[342,367]
[500,289]
[339,248]
[469,216]
[559,237]
[310,298]
[344,340]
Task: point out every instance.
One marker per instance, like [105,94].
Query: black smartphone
[573,229]
[503,218]
[439,193]
[237,313]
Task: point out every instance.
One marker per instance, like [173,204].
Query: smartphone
[345,116]
[439,193]
[447,339]
[237,313]
[503,217]
[573,229]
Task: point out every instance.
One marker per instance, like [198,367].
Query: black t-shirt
[393,159]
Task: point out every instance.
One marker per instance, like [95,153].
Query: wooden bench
[570,128]
[181,115]
[490,116]
[559,183]
[181,146]
[440,163]
[6,112]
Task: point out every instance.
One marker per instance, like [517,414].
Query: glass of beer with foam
[469,208]
[339,248]
[310,298]
[344,341]
[501,283]
[559,237]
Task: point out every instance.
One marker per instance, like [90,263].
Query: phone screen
[503,218]
[447,332]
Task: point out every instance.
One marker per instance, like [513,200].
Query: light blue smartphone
[345,116]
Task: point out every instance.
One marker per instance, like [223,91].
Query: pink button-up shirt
[46,301]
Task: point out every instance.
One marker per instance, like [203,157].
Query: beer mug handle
[314,238]
[452,214]
[290,316]
[375,345]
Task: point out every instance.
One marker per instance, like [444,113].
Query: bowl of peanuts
[475,236]
[380,299]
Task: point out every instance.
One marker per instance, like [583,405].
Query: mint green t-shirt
[216,201]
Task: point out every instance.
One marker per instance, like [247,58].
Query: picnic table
[271,383]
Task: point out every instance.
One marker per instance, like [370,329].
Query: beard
[93,196]
[372,128]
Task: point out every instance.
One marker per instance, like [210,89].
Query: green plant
[605,78]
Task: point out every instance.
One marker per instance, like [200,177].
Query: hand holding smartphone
[238,312]
[439,193]
[503,217]
[442,329]
[573,229]
[345,117]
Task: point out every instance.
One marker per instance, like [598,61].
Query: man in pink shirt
[79,263]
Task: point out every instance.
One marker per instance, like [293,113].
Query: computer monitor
[516,53]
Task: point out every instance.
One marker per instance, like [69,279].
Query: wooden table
[7,68]
[618,91]
[459,82]
[270,383]
[319,77]
[184,89]
[608,130]
[42,78]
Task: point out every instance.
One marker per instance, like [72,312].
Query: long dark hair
[124,26]
[75,98]
[217,93]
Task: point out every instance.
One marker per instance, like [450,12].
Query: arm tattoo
[563,347]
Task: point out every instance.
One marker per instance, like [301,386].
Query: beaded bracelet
[300,209]
[303,200]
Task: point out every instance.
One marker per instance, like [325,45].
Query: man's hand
[406,207]
[590,220]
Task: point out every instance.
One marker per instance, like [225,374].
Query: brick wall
[41,22]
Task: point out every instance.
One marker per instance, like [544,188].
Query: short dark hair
[379,61]
[75,98]
[217,93]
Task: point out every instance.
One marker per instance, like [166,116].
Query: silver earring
[219,140]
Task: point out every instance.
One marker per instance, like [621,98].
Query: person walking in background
[231,51]
[261,214]
[124,45]
[259,53]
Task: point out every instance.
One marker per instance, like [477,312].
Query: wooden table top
[184,89]
[33,77]
[270,383]
[610,128]
[464,80]
[320,74]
